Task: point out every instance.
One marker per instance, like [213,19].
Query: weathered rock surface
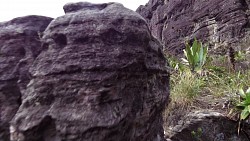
[207,126]
[19,46]
[218,22]
[102,78]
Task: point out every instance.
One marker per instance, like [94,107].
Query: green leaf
[244,114]
[241,105]
[242,93]
[248,107]
[189,57]
[246,102]
[248,91]
[195,46]
[201,56]
[196,59]
[247,97]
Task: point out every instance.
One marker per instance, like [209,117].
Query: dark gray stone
[19,46]
[102,78]
[207,126]
[218,22]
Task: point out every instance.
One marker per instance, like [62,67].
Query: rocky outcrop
[19,46]
[102,77]
[207,126]
[218,22]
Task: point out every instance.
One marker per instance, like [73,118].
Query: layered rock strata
[220,23]
[19,46]
[101,77]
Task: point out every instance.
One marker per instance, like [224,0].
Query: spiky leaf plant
[195,56]
[244,104]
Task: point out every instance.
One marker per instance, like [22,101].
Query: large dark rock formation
[102,77]
[19,46]
[218,22]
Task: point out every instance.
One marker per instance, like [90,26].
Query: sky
[10,9]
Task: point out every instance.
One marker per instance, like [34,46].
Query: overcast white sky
[10,9]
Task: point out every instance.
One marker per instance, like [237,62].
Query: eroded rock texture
[19,46]
[218,22]
[102,78]
[207,125]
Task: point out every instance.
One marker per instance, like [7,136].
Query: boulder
[19,46]
[207,126]
[102,77]
[220,23]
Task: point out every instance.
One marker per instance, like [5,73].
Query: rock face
[218,22]
[102,77]
[19,46]
[207,126]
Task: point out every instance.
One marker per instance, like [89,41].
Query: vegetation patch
[202,80]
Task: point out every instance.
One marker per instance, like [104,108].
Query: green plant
[176,65]
[195,56]
[244,104]
[217,85]
[240,55]
[222,81]
[197,134]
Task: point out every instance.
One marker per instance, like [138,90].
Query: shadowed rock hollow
[19,46]
[218,22]
[101,77]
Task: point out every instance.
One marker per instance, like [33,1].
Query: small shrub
[195,56]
